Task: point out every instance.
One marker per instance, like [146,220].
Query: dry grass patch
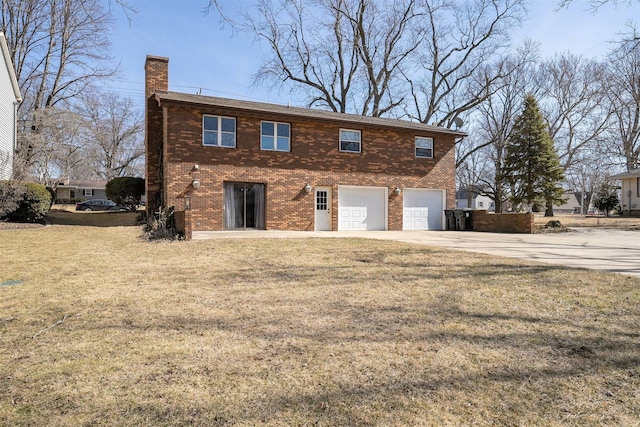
[306,332]
[619,222]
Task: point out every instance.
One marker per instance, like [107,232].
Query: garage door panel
[416,219]
[361,208]
[422,209]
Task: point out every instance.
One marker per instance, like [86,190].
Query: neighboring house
[9,99]
[468,199]
[586,201]
[570,206]
[81,189]
[230,164]
[630,192]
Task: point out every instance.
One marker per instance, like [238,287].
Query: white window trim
[340,141]
[90,190]
[275,136]
[219,131]
[415,147]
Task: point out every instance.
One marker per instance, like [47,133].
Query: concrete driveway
[603,249]
[611,250]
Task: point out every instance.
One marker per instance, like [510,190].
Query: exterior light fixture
[187,203]
[196,167]
[397,191]
[195,184]
[307,188]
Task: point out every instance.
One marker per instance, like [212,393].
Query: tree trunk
[549,210]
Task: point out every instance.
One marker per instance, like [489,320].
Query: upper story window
[218,131]
[350,140]
[424,147]
[275,136]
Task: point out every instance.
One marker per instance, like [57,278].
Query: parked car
[100,205]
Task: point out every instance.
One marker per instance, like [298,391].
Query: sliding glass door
[243,205]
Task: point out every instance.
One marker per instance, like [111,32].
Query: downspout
[15,139]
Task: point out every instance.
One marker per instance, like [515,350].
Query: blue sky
[202,56]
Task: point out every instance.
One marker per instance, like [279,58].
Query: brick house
[229,164]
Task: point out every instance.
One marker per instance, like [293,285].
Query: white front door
[323,208]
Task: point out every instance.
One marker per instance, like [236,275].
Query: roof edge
[169,96]
[9,64]
[633,173]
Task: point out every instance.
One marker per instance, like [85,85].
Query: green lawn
[105,328]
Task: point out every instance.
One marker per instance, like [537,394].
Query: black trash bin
[462,219]
[459,219]
[468,220]
[450,219]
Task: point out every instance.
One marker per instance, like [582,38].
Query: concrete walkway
[602,249]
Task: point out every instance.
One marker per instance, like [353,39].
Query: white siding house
[9,99]
[630,197]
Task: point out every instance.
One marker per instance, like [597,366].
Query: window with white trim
[88,192]
[275,136]
[424,147]
[350,140]
[218,131]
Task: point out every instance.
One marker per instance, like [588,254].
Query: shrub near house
[32,206]
[126,191]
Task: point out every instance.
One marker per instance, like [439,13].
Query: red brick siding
[174,145]
[157,77]
[502,222]
[387,160]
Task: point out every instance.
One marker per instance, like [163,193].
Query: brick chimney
[156,78]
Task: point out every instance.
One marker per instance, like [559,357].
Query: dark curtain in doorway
[244,205]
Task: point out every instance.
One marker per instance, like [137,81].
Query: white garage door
[422,209]
[362,208]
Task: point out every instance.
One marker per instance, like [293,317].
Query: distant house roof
[96,184]
[465,194]
[469,191]
[635,173]
[571,203]
[305,113]
[9,64]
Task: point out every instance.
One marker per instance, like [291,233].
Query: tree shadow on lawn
[434,351]
[365,354]
[540,362]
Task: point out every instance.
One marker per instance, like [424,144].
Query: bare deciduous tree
[594,5]
[572,99]
[623,95]
[55,146]
[428,60]
[460,57]
[318,57]
[58,47]
[114,133]
[344,55]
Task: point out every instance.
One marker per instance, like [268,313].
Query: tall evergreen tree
[531,166]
